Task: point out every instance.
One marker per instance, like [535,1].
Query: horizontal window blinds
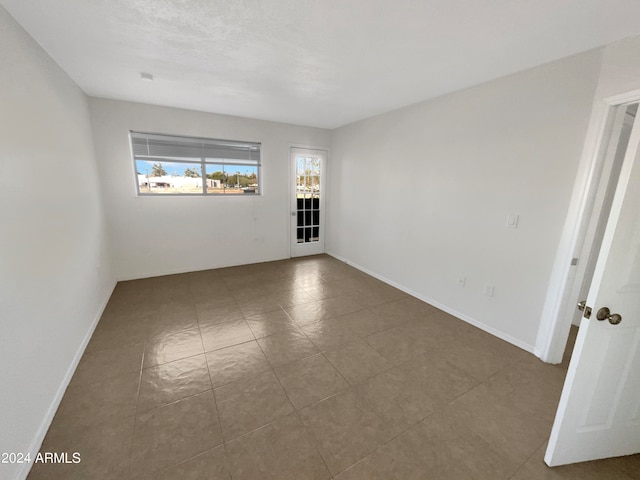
[150,146]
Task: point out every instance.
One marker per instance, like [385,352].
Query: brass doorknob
[605,314]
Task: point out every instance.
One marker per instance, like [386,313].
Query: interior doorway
[594,232]
[599,410]
[598,196]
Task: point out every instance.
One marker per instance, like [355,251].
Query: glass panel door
[308,202]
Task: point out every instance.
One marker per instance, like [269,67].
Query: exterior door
[599,411]
[307,204]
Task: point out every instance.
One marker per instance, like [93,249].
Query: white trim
[324,153]
[290,196]
[551,339]
[444,308]
[34,448]
[622,98]
[307,147]
[575,437]
[179,271]
[547,343]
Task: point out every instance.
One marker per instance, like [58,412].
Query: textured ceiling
[322,63]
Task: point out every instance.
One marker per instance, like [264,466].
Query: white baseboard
[444,308]
[34,448]
[178,271]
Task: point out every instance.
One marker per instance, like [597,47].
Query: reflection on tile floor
[302,369]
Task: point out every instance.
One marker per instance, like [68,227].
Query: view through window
[177,165]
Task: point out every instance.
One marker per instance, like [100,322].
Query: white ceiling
[322,63]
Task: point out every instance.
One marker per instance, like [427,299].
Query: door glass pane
[308,199]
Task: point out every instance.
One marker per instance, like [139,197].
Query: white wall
[160,235]
[620,68]
[52,238]
[420,196]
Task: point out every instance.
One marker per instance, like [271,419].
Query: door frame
[324,187]
[597,409]
[577,239]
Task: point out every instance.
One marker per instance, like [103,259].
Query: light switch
[512,220]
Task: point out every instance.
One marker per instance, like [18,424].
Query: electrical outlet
[489,290]
[462,281]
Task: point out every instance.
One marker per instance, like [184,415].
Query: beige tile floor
[302,369]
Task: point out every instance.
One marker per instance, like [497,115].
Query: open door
[599,411]
[307,201]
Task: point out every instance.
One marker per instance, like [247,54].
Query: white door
[307,201]
[599,411]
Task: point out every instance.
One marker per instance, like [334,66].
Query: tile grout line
[215,404]
[480,382]
[314,441]
[297,414]
[135,419]
[350,385]
[224,441]
[339,373]
[519,467]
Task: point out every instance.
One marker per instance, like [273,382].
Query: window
[175,165]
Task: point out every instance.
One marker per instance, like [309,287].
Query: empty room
[356,240]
